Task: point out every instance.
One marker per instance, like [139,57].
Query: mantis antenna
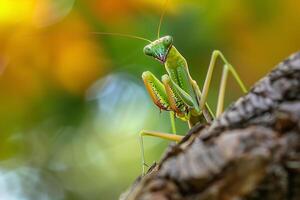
[161,18]
[122,35]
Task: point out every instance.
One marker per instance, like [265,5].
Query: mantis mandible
[178,92]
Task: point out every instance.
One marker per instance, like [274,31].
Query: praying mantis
[177,92]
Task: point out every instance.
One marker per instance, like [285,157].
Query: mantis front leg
[226,68]
[168,96]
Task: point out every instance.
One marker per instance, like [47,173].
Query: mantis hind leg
[222,88]
[227,67]
[167,136]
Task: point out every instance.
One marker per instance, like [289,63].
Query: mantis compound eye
[168,40]
[147,50]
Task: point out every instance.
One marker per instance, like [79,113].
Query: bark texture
[252,151]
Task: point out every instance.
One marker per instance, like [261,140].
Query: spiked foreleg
[182,83]
[183,103]
[179,100]
[158,95]
[156,91]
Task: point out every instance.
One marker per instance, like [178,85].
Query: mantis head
[159,48]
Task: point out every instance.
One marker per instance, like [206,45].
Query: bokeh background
[72,102]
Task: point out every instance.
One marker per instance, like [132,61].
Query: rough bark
[252,151]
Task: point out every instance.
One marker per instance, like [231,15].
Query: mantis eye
[147,50]
[168,40]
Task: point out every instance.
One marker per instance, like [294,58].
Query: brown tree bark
[252,151]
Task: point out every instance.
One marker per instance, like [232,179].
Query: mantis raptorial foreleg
[165,95]
[227,68]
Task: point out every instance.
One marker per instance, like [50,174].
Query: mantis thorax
[174,58]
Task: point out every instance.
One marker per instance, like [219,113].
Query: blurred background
[72,102]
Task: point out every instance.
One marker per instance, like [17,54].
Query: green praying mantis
[177,92]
